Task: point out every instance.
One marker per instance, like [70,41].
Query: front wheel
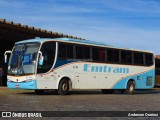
[130,87]
[63,88]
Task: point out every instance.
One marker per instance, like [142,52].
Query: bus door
[44,67]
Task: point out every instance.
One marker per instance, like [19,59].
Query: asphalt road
[24,100]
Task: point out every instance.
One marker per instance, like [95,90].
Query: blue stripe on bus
[62,62]
[22,85]
[140,81]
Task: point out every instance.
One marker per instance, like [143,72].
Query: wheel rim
[65,87]
[131,88]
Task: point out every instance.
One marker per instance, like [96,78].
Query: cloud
[50,6]
[123,23]
[12,4]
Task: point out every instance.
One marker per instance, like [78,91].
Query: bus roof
[72,40]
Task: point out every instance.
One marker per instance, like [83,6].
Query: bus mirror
[41,58]
[40,62]
[5,55]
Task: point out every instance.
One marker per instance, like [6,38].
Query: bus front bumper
[22,85]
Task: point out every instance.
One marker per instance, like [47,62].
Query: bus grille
[149,81]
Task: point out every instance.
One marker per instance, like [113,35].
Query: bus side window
[112,55]
[79,52]
[102,54]
[116,56]
[109,55]
[148,59]
[95,54]
[70,51]
[126,57]
[138,58]
[86,51]
[62,51]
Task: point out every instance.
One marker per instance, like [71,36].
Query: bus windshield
[23,59]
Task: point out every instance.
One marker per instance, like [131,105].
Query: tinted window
[138,58]
[48,52]
[116,56]
[95,54]
[102,54]
[69,51]
[86,51]
[62,51]
[79,52]
[112,55]
[126,57]
[149,59]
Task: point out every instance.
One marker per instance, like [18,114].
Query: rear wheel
[130,87]
[107,91]
[63,88]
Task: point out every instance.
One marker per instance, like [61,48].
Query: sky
[121,23]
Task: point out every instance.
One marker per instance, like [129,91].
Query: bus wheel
[107,91]
[39,92]
[130,87]
[63,88]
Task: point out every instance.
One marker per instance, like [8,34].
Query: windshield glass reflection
[23,59]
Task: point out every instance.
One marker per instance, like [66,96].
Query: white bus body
[27,70]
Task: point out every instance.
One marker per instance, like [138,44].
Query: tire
[39,92]
[130,87]
[107,91]
[63,88]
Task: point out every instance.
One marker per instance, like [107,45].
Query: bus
[65,64]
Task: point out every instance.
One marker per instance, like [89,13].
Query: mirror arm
[39,52]
[8,51]
[5,55]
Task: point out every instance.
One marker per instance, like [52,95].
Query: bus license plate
[17,86]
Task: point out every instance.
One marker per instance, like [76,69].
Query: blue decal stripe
[63,63]
[140,84]
[60,63]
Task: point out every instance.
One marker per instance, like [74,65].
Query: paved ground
[24,100]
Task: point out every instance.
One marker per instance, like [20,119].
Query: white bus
[65,64]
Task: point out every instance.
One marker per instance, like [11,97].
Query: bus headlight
[9,80]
